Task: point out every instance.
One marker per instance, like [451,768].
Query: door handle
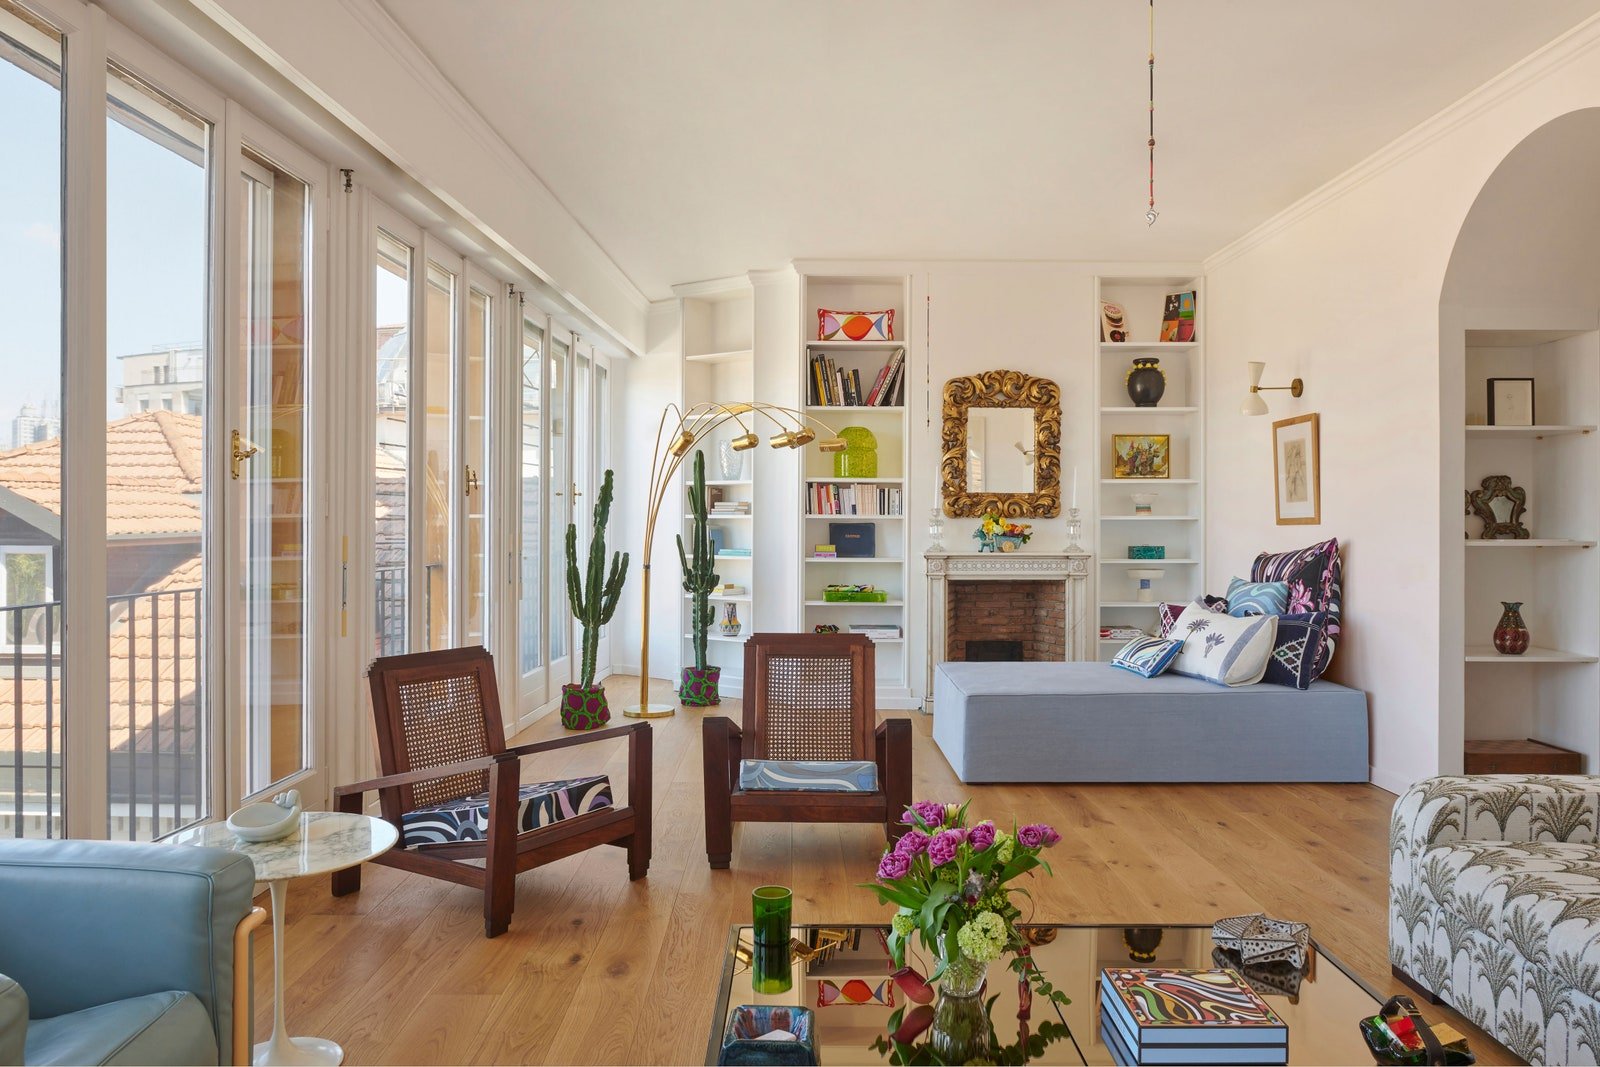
[243,449]
[471,481]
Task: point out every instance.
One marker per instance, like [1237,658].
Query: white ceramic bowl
[263,822]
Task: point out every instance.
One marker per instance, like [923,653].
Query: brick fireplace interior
[1030,613]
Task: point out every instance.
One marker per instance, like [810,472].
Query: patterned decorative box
[1258,939]
[1147,551]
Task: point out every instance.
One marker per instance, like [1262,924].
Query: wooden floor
[596,969]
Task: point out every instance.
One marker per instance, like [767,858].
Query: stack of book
[825,552]
[1121,633]
[734,552]
[834,386]
[876,631]
[731,507]
[728,589]
[1151,1015]
[855,498]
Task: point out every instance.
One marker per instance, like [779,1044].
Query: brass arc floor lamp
[692,426]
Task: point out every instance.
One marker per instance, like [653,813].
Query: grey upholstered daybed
[1090,722]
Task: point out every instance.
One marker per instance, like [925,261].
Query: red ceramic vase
[1511,633]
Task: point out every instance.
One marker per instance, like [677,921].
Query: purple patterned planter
[698,689]
[584,709]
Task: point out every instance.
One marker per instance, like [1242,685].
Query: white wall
[1343,289]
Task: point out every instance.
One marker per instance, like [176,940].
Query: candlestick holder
[1074,531]
[936,528]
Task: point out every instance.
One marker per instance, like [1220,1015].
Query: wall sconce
[1253,404]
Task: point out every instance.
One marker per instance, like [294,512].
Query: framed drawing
[1297,470]
[1141,455]
[1511,402]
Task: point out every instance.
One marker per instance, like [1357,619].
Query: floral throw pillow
[1314,577]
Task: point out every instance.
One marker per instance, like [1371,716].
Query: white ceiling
[701,138]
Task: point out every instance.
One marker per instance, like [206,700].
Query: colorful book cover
[1174,1006]
[1177,319]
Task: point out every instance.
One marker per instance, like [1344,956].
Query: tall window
[392,328]
[560,495]
[439,319]
[531,506]
[157,221]
[475,440]
[31,724]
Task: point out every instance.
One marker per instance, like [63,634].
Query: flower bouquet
[952,884]
[996,534]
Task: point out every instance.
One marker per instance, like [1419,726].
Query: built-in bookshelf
[860,384]
[719,364]
[1175,519]
[1551,692]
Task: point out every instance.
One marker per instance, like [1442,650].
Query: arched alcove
[1521,300]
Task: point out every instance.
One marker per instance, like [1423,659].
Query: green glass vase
[860,456]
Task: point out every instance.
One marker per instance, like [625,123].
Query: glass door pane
[31,724]
[270,472]
[602,463]
[475,444]
[530,628]
[560,615]
[157,214]
[391,516]
[439,355]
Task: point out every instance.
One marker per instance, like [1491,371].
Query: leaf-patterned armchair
[1494,906]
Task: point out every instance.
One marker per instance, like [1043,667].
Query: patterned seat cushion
[820,776]
[538,804]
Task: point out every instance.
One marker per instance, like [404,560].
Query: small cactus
[698,577]
[594,600]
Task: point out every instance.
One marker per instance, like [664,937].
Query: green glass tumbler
[771,965]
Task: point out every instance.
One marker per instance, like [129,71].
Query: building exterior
[166,378]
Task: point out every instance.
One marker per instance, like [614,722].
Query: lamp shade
[1255,370]
[1253,405]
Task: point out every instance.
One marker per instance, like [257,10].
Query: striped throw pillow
[1257,598]
[1147,656]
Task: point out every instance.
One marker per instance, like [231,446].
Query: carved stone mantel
[1069,568]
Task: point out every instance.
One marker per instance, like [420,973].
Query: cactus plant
[698,577]
[594,597]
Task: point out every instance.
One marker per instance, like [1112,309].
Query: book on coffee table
[1163,1015]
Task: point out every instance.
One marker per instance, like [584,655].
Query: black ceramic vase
[1146,382]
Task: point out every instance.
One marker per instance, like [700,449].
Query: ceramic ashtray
[267,821]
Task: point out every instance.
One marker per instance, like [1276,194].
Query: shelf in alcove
[1149,518]
[1148,483]
[1538,433]
[1157,410]
[1530,542]
[1535,654]
[854,346]
[1116,346]
[721,357]
[1145,562]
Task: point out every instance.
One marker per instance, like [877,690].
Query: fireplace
[1036,599]
[1030,615]
[987,650]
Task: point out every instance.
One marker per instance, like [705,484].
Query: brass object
[677,433]
[243,449]
[471,481]
[1002,389]
[1500,505]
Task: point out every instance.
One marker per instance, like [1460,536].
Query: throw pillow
[1315,579]
[1167,614]
[1257,598]
[1221,648]
[855,325]
[1147,656]
[1299,650]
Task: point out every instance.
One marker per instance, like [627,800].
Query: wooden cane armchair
[811,748]
[453,788]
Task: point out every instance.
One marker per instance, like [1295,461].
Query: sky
[156,229]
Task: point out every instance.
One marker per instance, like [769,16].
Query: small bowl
[263,822]
[742,1044]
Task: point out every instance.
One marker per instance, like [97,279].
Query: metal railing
[156,766]
[389,610]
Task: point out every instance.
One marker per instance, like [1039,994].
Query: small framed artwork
[1297,470]
[1511,402]
[1141,455]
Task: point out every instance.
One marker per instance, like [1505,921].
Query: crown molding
[1570,46]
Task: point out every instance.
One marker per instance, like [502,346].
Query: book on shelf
[1121,633]
[1160,1015]
[824,552]
[731,507]
[1177,318]
[879,630]
[855,498]
[734,552]
[728,589]
[834,386]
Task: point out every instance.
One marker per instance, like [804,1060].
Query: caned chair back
[809,697]
[432,709]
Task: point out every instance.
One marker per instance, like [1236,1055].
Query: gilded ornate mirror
[1500,505]
[1001,446]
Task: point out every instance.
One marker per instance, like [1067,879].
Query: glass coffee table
[845,983]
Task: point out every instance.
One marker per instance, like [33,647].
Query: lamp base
[649,711]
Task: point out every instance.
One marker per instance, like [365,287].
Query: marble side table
[324,842]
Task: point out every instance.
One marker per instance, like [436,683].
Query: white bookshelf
[719,365]
[1551,692]
[1177,519]
[888,568]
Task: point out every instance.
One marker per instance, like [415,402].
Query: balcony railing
[389,610]
[156,766]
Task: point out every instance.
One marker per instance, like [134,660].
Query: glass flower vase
[963,976]
[960,1032]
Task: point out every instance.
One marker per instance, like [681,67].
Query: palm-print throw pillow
[1221,648]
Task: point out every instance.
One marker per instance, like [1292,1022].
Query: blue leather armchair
[123,953]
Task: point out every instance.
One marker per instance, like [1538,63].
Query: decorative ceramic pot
[860,456]
[1146,382]
[584,708]
[730,624]
[730,462]
[698,688]
[1511,633]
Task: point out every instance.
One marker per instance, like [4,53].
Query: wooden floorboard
[596,969]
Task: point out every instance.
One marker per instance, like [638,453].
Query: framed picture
[1297,470]
[1511,402]
[1141,455]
